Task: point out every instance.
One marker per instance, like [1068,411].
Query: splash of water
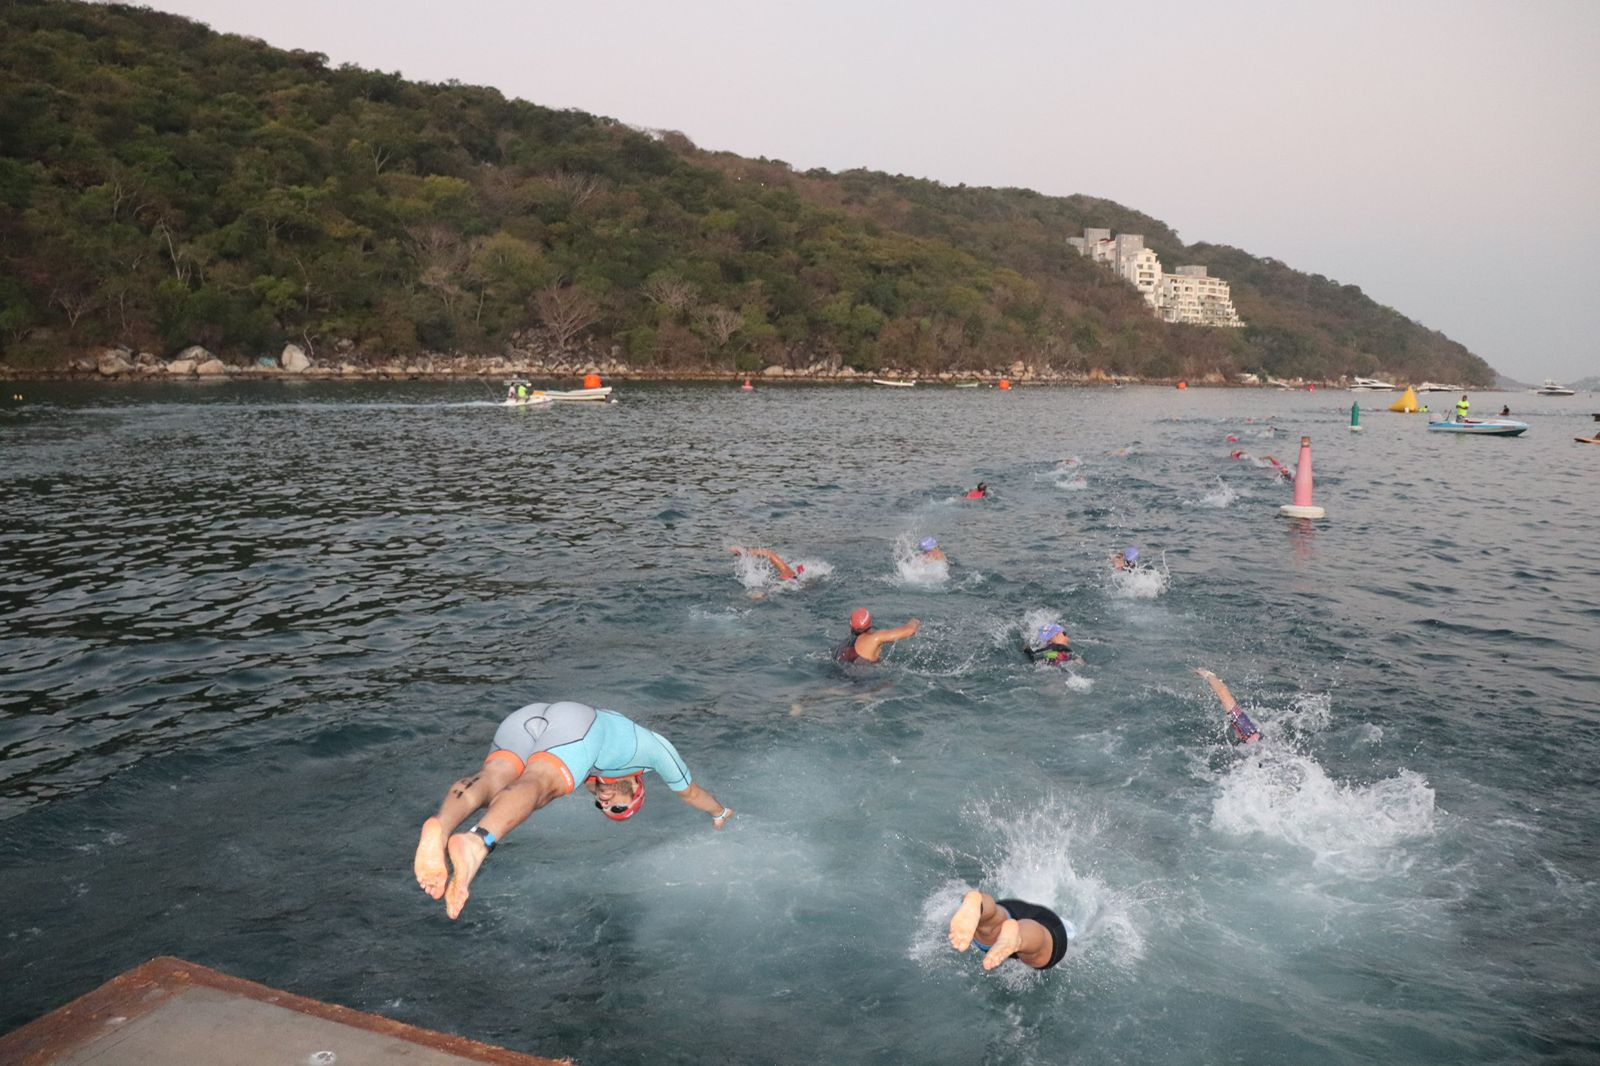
[1042,853]
[1357,830]
[912,568]
[1219,497]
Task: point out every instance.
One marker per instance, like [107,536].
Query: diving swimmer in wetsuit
[1009,928]
[540,753]
[865,643]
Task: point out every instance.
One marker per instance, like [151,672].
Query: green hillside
[163,185]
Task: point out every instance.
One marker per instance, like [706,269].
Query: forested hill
[163,185]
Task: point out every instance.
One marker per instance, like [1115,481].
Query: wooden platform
[171,1011]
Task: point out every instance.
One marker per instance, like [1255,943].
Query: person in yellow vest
[1461,408]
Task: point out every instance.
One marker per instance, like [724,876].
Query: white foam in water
[1309,712]
[1356,829]
[912,569]
[1041,855]
[1140,583]
[1219,497]
[1068,475]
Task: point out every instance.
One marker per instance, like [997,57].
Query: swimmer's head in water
[983,487]
[1049,633]
[1131,555]
[860,621]
[619,798]
[927,544]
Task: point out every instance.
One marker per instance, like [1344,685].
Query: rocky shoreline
[197,364]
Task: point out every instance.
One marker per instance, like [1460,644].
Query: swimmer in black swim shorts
[1009,928]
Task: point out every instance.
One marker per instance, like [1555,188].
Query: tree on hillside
[566,311]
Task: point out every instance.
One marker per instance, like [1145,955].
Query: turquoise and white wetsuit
[583,742]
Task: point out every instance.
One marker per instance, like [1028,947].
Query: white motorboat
[600,395]
[1372,385]
[1434,386]
[893,384]
[1552,387]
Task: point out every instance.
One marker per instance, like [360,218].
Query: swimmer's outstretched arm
[703,801]
[1228,702]
[785,572]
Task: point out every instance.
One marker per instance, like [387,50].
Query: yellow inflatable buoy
[1407,404]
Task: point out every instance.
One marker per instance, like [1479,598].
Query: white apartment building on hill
[1188,295]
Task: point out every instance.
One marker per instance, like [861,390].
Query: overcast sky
[1444,155]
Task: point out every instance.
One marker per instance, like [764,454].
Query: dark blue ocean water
[249,633]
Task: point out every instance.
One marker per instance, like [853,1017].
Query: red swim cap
[632,808]
[860,621]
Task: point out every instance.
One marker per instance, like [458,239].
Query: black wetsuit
[1053,654]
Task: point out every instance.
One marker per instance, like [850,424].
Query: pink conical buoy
[1302,507]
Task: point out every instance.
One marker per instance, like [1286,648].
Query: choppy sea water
[249,633]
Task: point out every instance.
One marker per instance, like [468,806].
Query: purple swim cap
[1049,633]
[1131,555]
[927,544]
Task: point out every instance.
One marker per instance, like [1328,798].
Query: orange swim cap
[860,621]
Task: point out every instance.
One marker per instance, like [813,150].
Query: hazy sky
[1443,155]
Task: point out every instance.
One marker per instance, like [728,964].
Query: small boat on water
[1371,385]
[968,384]
[600,395]
[893,384]
[1552,387]
[533,399]
[1434,386]
[1487,427]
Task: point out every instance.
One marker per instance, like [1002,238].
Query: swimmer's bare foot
[429,864]
[1005,945]
[467,853]
[964,923]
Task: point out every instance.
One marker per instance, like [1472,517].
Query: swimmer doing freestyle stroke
[785,571]
[540,753]
[865,643]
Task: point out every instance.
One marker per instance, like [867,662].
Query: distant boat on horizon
[1552,387]
[1434,386]
[1372,385]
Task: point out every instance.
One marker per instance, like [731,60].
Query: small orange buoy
[1183,384]
[747,387]
[591,381]
[1005,383]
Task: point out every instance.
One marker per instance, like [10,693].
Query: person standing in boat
[540,752]
[1461,408]
[866,644]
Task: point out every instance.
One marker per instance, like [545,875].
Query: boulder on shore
[773,371]
[197,353]
[112,362]
[211,367]
[184,367]
[294,359]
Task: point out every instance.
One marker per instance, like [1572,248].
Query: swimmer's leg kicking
[1008,928]
[460,800]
